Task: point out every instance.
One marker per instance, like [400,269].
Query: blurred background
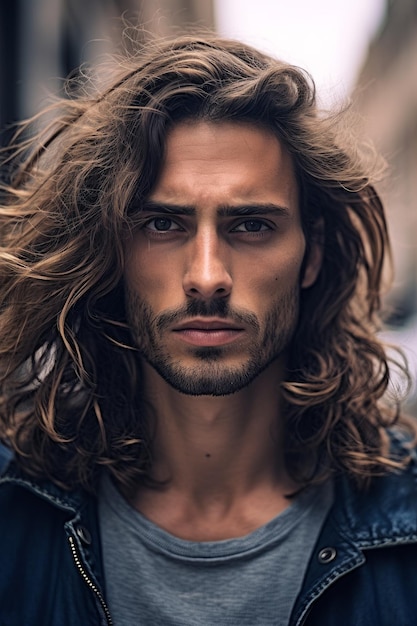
[364,49]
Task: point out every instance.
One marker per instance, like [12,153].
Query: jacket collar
[384,513]
[70,501]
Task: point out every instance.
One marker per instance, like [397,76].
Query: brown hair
[69,399]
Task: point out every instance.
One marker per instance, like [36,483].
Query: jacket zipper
[89,582]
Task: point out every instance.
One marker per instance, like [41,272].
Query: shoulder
[387,508]
[20,492]
[37,520]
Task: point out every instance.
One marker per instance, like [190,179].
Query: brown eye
[252,226]
[162,224]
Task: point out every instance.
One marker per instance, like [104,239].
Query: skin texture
[213,278]
[239,275]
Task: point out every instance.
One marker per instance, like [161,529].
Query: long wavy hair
[70,399]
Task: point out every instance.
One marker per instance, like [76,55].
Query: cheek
[142,267]
[287,269]
[275,276]
[151,277]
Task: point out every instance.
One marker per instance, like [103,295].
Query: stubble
[211,374]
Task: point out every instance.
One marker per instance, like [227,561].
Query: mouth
[215,332]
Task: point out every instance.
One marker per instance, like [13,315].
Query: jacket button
[327,555]
[83,534]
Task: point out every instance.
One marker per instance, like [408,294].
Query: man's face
[213,276]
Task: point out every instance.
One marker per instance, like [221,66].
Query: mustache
[202,308]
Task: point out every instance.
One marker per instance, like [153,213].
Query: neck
[210,453]
[201,438]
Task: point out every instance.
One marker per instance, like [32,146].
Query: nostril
[207,282]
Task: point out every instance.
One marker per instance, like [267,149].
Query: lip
[208,333]
[206,324]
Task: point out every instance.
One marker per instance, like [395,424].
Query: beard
[210,374]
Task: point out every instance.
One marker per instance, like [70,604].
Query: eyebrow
[254,209]
[258,208]
[151,206]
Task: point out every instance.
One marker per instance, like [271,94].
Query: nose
[206,275]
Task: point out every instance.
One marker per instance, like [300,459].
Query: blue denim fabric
[363,571]
[44,533]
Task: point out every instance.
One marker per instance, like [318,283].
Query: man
[191,382]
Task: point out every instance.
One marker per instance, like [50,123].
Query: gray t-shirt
[156,579]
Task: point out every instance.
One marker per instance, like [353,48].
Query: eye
[251,226]
[162,224]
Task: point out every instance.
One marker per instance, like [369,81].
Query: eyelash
[164,219]
[264,227]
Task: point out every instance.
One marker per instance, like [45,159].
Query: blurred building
[387,100]
[42,41]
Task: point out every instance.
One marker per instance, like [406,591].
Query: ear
[314,260]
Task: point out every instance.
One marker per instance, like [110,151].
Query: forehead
[212,163]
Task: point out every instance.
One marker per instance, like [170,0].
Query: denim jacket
[363,571]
